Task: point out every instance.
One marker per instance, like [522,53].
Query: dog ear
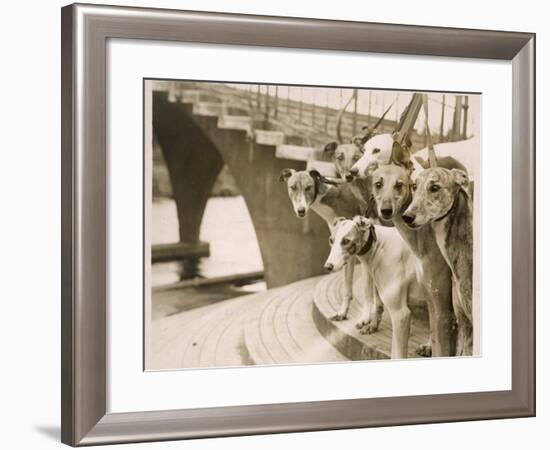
[359,141]
[362,222]
[337,221]
[373,165]
[365,225]
[286,174]
[331,147]
[461,179]
[400,155]
[315,175]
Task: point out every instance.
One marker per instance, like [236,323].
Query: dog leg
[376,309]
[464,341]
[342,313]
[440,305]
[396,303]
[401,329]
[373,308]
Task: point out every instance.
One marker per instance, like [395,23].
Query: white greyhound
[388,260]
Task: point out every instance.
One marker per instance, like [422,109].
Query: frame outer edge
[524,228]
[85,29]
[67,320]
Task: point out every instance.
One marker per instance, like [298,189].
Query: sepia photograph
[288,224]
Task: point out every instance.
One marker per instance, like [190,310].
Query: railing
[318,115]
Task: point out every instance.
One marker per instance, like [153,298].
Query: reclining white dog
[386,257]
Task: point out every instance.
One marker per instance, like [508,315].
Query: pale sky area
[379,101]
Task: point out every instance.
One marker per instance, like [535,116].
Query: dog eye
[398,184]
[307,188]
[340,157]
[293,188]
[345,241]
[413,187]
[378,185]
[356,158]
[375,151]
[435,187]
[331,240]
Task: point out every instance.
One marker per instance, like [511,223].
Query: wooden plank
[209,109]
[179,250]
[295,152]
[266,137]
[238,278]
[235,123]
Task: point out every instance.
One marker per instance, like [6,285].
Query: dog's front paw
[424,350]
[369,328]
[339,316]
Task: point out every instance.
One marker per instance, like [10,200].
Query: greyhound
[450,155]
[442,200]
[345,157]
[308,190]
[392,184]
[386,258]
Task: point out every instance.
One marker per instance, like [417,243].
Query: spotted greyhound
[442,200]
[308,190]
[388,260]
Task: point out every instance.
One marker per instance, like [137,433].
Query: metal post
[442,124]
[266,104]
[397,108]
[326,113]
[356,96]
[383,109]
[456,118]
[276,108]
[288,100]
[313,109]
[301,106]
[258,104]
[370,108]
[465,118]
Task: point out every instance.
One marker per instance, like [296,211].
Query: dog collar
[368,244]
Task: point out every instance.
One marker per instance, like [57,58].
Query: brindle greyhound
[442,200]
[309,190]
[392,191]
[389,261]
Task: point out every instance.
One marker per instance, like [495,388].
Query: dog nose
[386,212]
[354,171]
[301,211]
[409,218]
[329,267]
[349,176]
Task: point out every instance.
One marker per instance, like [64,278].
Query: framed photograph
[281,224]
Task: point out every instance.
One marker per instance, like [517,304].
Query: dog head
[347,239]
[391,183]
[344,156]
[303,188]
[376,151]
[434,193]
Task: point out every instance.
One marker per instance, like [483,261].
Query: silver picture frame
[85,31]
